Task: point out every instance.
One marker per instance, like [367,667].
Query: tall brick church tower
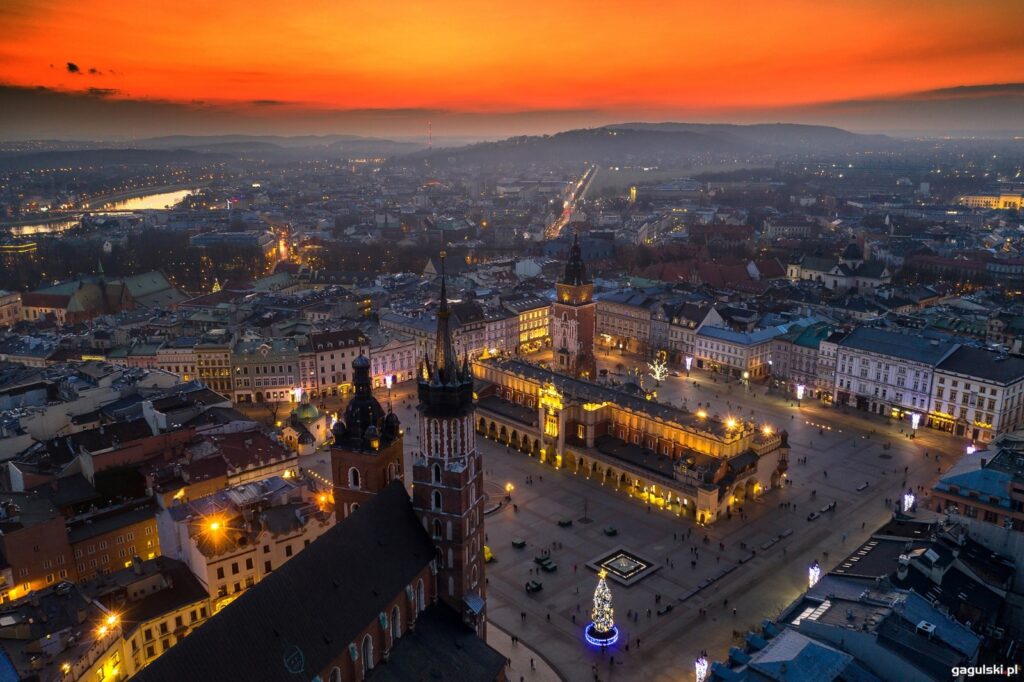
[367,450]
[448,476]
[573,318]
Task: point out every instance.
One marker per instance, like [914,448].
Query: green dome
[306,412]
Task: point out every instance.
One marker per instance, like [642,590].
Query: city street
[844,449]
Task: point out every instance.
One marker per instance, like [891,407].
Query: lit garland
[602,631]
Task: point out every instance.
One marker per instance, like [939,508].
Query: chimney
[904,567]
[137,564]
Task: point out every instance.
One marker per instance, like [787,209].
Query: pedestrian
[533,666]
[734,610]
[522,616]
[637,642]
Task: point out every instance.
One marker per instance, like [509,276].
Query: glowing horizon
[522,57]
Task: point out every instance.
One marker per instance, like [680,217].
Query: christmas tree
[603,614]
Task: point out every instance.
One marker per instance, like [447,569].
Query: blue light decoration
[601,631]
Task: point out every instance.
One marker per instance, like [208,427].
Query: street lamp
[908,500]
[799,393]
[915,421]
[971,449]
[700,669]
[813,574]
[689,362]
[508,491]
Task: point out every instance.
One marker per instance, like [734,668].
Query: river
[158,201]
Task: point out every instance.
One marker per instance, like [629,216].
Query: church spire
[575,271]
[445,362]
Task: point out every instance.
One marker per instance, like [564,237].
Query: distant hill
[189,148]
[21,161]
[340,145]
[660,143]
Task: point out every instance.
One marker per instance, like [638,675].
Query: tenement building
[395,589]
[694,464]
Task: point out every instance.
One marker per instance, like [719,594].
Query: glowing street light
[766,430]
[689,362]
[508,491]
[388,380]
[700,669]
[799,393]
[908,500]
[915,421]
[971,449]
[813,575]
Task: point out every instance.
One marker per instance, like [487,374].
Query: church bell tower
[448,476]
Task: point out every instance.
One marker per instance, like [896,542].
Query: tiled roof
[316,603]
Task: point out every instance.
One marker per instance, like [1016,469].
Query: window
[287,550]
[367,654]
[353,477]
[220,572]
[248,564]
[437,473]
[436,501]
[266,566]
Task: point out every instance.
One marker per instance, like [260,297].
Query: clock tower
[573,318]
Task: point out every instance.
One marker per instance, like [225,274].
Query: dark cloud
[95,72]
[267,102]
[102,92]
[73,68]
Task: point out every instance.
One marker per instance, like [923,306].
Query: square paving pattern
[625,567]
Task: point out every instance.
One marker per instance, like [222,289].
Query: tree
[659,370]
[603,615]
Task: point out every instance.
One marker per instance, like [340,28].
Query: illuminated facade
[574,317]
[1013,201]
[691,464]
[232,539]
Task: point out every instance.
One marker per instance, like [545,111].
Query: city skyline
[525,69]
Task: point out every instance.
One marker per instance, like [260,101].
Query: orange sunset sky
[696,59]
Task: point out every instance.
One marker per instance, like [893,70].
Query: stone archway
[481,426]
[503,434]
[536,448]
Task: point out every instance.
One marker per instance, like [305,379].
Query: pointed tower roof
[444,387]
[575,270]
[445,360]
